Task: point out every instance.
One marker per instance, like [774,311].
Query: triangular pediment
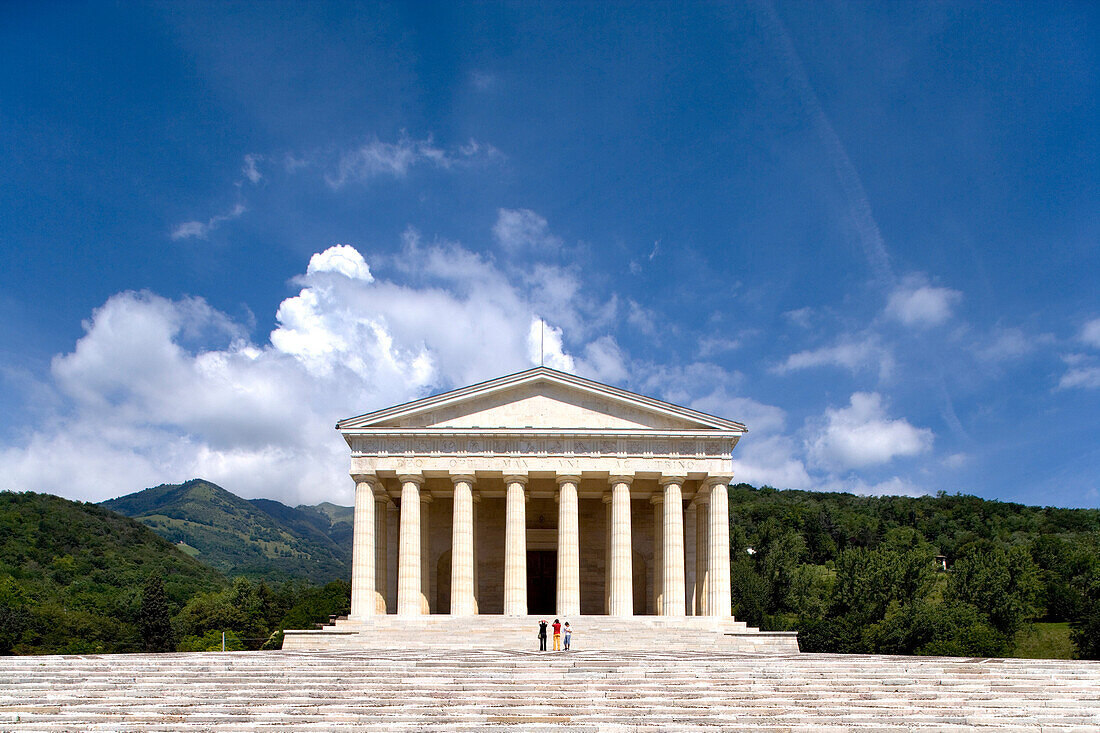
[541,398]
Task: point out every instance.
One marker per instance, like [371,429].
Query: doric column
[425,553]
[701,552]
[363,552]
[381,560]
[622,576]
[718,536]
[408,550]
[689,560]
[607,553]
[569,551]
[672,547]
[658,501]
[462,548]
[477,550]
[515,547]
[393,542]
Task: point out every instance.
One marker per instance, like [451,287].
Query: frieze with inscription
[552,446]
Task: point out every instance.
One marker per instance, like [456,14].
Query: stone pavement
[465,690]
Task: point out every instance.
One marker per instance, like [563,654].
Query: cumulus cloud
[164,390]
[376,159]
[862,434]
[202,229]
[1090,333]
[918,304]
[343,259]
[770,460]
[849,353]
[522,229]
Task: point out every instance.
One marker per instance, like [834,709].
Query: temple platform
[592,633]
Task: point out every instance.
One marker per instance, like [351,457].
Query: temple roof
[539,398]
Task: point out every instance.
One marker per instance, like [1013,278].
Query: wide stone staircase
[637,633]
[598,691]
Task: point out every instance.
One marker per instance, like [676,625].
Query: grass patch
[1044,641]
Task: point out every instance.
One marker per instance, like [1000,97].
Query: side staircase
[636,633]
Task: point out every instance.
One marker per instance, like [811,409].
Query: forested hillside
[72,574]
[860,574]
[258,539]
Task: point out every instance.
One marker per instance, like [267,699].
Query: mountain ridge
[257,538]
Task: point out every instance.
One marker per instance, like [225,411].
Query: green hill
[71,575]
[261,539]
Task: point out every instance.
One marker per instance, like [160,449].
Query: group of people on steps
[558,631]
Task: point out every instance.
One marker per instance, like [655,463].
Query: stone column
[408,551]
[393,542]
[477,550]
[701,553]
[622,576]
[718,537]
[607,553]
[363,554]
[381,581]
[689,560]
[425,553]
[658,501]
[672,547]
[462,548]
[515,547]
[569,551]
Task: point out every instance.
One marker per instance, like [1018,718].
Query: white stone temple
[538,494]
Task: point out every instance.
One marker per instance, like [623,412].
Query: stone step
[463,690]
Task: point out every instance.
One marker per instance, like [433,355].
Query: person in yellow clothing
[557,635]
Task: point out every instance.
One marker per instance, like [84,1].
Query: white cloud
[770,460]
[376,158]
[710,346]
[641,318]
[545,346]
[522,229]
[1082,377]
[861,435]
[1008,343]
[250,169]
[201,230]
[1090,333]
[165,390]
[851,354]
[341,258]
[895,486]
[800,317]
[918,304]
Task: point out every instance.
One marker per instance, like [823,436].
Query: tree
[1002,584]
[14,615]
[1085,630]
[154,618]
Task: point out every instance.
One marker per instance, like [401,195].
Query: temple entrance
[542,582]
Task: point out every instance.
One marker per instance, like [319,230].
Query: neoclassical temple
[540,493]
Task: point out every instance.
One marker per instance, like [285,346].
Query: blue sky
[870,232]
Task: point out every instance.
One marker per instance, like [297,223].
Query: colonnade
[707,517]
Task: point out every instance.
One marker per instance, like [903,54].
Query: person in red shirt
[557,635]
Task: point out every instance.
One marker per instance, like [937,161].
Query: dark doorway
[542,581]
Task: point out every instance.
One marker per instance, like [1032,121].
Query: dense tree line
[861,574]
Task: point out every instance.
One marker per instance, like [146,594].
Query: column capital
[657,498]
[411,478]
[621,478]
[711,481]
[680,480]
[425,497]
[515,478]
[463,477]
[606,497]
[568,477]
[366,478]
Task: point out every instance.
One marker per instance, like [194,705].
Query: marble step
[465,690]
